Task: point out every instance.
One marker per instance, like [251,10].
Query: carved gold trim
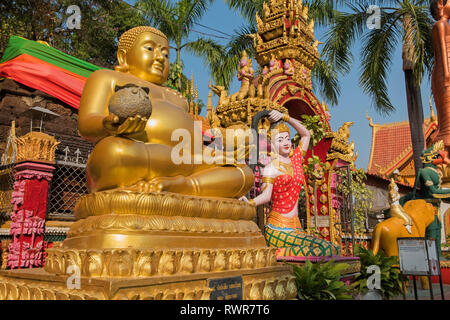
[156,262]
[36,146]
[161,204]
[15,289]
[333,234]
[160,223]
[261,285]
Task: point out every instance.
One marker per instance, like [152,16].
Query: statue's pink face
[282,143]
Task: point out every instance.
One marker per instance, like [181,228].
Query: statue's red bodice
[286,188]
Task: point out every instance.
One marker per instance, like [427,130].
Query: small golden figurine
[396,208]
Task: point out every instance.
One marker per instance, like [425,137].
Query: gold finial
[196,100]
[311,25]
[43,42]
[432,115]
[370,120]
[210,105]
[259,21]
[438,146]
[192,85]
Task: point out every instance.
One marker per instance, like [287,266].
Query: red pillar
[29,198]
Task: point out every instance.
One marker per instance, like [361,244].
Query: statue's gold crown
[128,38]
[438,146]
[279,128]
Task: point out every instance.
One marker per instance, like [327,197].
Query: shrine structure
[287,51]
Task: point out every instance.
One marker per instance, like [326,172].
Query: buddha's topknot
[128,38]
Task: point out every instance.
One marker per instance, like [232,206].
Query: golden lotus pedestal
[129,245]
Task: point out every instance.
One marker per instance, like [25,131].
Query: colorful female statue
[282,180]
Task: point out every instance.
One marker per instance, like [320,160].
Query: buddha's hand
[131,125]
[244,198]
[275,116]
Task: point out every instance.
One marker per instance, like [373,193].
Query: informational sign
[412,253]
[226,288]
[435,268]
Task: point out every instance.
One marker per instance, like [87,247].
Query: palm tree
[407,21]
[223,60]
[176,21]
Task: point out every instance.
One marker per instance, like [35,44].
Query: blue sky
[353,103]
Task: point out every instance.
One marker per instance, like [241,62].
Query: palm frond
[421,24]
[191,11]
[325,78]
[340,37]
[376,57]
[159,14]
[247,8]
[322,11]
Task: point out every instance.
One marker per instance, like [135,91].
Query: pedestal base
[271,283]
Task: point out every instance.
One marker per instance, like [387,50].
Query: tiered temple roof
[392,149]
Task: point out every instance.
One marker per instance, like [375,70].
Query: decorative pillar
[34,171]
[4,256]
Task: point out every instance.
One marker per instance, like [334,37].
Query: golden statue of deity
[396,209]
[137,154]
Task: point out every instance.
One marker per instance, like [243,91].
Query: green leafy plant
[321,281]
[390,277]
[315,126]
[361,194]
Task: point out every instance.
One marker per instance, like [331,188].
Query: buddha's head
[144,53]
[281,140]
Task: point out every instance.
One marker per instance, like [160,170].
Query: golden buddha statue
[137,154]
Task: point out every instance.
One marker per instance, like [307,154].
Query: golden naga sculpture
[440,82]
[340,147]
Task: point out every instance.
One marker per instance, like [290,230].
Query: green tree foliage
[321,281]
[361,194]
[391,279]
[102,23]
[407,22]
[176,75]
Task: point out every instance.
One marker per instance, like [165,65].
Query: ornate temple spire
[286,32]
[196,100]
[432,115]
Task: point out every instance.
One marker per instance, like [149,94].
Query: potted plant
[390,276]
[321,281]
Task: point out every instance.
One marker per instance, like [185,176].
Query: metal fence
[67,185]
[6,188]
